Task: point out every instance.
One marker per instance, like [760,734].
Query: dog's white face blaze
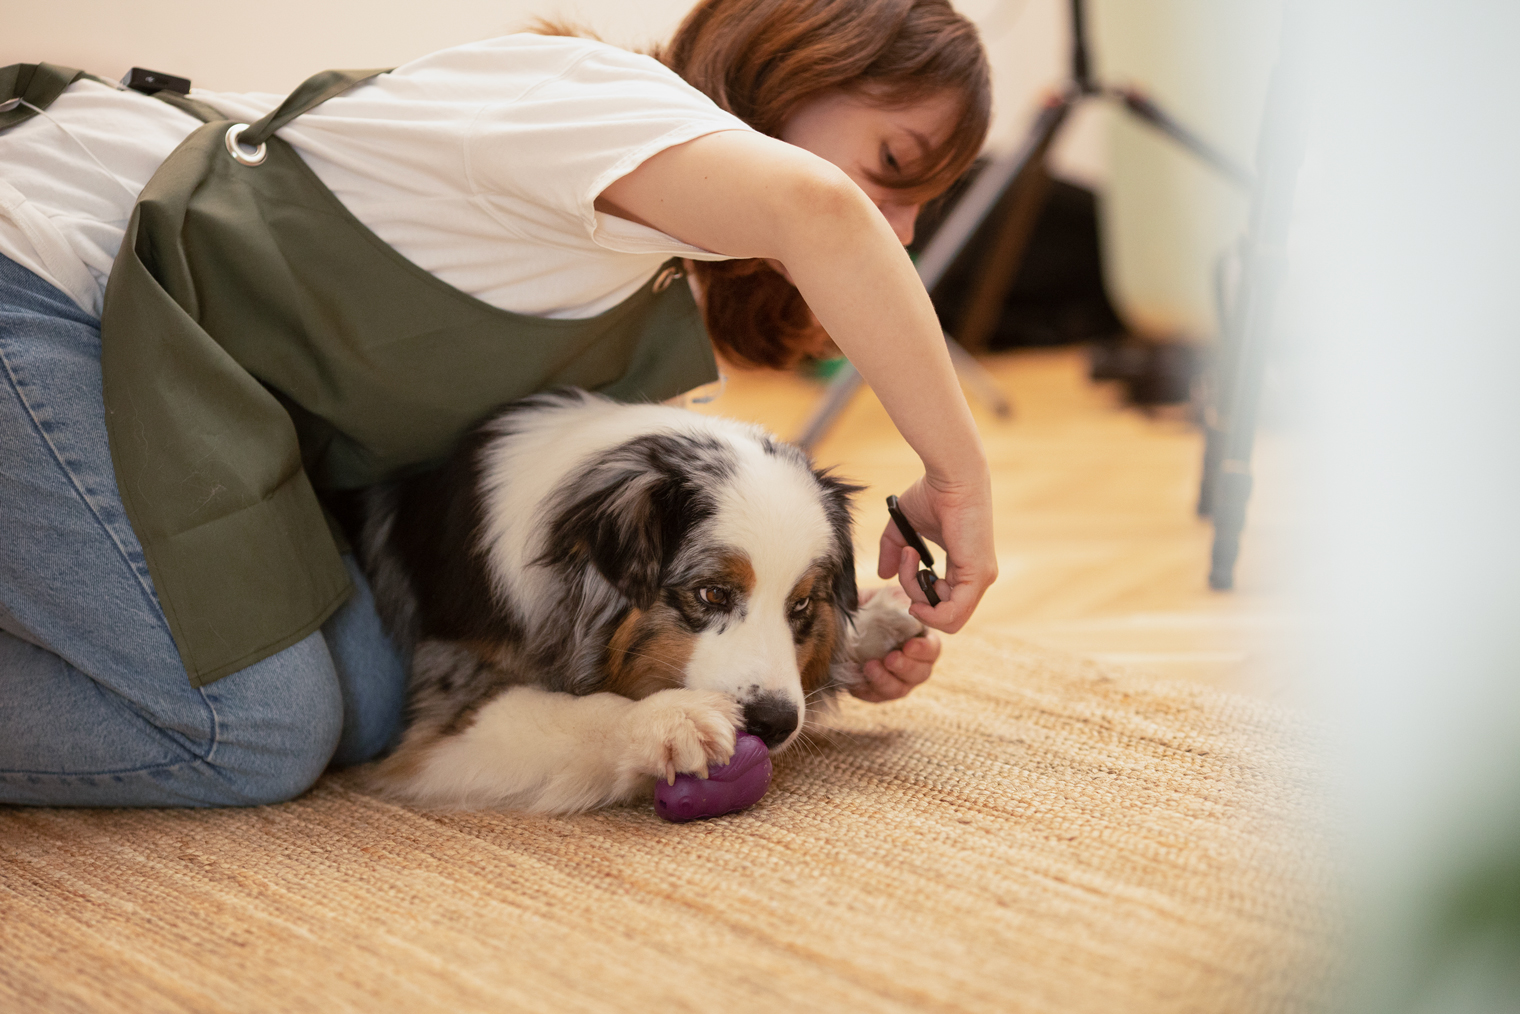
[771,513]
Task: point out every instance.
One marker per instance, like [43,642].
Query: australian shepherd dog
[596,595]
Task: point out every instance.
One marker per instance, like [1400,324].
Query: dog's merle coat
[593,594]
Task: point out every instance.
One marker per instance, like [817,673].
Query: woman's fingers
[961,522]
[892,545]
[918,657]
[897,675]
[907,576]
[957,601]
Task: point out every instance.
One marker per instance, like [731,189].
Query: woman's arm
[748,195]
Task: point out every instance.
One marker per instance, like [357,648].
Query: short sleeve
[553,148]
[481,164]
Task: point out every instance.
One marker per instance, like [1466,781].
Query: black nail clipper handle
[926,576]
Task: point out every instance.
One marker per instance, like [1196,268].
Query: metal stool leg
[1279,156]
[847,381]
[974,375]
[841,389]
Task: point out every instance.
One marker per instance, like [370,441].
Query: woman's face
[864,139]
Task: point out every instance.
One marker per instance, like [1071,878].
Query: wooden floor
[1099,550]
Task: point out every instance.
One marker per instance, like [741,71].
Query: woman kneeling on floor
[328,294]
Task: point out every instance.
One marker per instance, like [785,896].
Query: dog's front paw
[680,732]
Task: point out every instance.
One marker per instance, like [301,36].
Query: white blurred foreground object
[1401,284]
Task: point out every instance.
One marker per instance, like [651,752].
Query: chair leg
[841,389]
[982,384]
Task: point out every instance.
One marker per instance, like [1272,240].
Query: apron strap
[35,83]
[40,84]
[314,91]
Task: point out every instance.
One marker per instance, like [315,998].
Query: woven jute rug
[1025,833]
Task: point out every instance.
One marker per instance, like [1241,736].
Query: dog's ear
[626,516]
[838,506]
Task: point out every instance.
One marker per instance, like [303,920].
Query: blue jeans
[95,706]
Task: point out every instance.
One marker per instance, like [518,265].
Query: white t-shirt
[479,164]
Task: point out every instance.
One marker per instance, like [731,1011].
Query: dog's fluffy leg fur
[880,626]
[548,752]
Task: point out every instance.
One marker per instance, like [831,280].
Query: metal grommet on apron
[665,277]
[239,152]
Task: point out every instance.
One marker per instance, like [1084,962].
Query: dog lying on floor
[595,595]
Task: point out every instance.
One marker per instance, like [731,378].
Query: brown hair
[761,60]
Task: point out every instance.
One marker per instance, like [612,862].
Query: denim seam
[165,766]
[216,726]
[31,414]
[16,386]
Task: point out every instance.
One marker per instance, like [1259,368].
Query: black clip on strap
[150,82]
[926,575]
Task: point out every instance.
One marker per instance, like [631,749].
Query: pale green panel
[1166,217]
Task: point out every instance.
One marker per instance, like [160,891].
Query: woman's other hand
[902,670]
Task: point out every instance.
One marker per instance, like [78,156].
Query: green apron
[259,341]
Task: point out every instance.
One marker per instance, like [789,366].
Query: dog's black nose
[770,717]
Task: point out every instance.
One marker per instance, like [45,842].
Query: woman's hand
[959,519]
[897,675]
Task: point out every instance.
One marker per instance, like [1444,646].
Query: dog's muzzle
[771,717]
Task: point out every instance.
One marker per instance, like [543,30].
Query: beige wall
[272,45]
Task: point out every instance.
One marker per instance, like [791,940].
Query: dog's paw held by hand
[882,625]
[681,732]
[878,638]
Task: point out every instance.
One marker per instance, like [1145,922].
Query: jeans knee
[294,762]
[279,723]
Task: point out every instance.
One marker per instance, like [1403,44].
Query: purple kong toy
[728,787]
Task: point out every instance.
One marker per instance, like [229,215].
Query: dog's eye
[801,607]
[713,596]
